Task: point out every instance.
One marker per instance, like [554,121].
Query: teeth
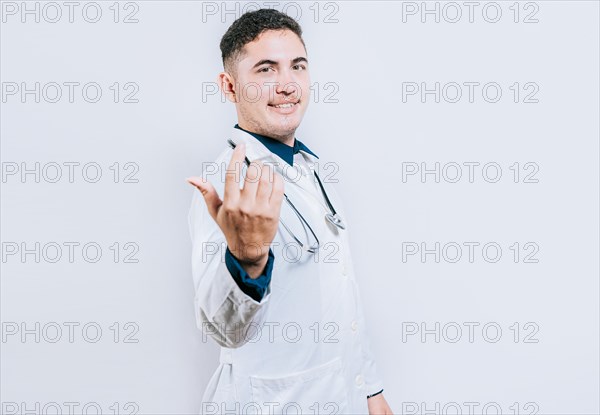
[284,105]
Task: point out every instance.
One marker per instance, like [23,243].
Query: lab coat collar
[256,150]
[285,152]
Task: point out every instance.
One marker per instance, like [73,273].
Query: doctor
[274,281]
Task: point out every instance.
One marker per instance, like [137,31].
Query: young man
[281,301]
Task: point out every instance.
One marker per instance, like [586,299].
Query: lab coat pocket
[320,389]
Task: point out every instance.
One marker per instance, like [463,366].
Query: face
[272,87]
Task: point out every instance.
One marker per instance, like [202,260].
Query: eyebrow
[271,62]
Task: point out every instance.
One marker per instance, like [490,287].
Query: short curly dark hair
[247,28]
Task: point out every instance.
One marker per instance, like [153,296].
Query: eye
[265,69]
[300,66]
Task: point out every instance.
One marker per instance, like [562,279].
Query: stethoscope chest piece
[335,220]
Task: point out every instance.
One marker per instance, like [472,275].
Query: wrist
[254,267]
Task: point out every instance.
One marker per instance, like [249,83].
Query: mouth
[284,108]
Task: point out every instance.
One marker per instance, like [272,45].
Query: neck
[286,139]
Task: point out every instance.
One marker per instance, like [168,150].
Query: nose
[286,83]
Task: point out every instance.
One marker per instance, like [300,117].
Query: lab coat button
[359,380]
[344,269]
[354,325]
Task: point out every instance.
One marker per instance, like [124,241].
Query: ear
[228,86]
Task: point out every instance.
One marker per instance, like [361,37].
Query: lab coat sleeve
[223,311]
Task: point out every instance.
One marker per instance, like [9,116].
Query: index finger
[233,174]
[277,190]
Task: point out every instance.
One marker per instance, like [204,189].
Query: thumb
[213,202]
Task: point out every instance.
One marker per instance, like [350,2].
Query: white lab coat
[304,347]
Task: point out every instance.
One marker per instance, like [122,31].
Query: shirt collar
[277,147]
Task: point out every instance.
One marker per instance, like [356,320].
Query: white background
[362,56]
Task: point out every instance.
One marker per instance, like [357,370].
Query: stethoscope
[332,216]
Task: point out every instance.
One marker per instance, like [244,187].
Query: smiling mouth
[286,105]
